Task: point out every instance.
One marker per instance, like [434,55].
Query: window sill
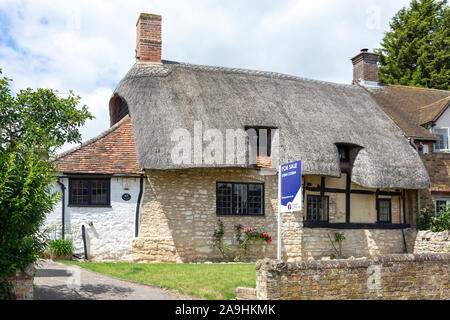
[353,226]
[239,216]
[88,206]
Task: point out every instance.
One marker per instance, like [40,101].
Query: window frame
[90,204]
[328,207]
[233,206]
[378,210]
[447,203]
[269,141]
[433,130]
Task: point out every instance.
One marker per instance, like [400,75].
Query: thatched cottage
[149,189]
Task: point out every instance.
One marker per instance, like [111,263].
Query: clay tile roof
[432,111]
[112,152]
[404,104]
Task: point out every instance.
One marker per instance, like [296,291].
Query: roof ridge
[432,104]
[412,87]
[269,74]
[92,140]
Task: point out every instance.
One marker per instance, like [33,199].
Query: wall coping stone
[279,266]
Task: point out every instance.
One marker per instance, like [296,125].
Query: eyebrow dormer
[347,154]
[118,109]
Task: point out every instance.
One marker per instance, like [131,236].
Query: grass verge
[209,281]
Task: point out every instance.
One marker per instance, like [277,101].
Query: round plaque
[126,197]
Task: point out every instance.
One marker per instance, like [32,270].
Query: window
[384,211]
[239,199]
[89,192]
[263,139]
[123,109]
[443,135]
[344,154]
[317,208]
[441,204]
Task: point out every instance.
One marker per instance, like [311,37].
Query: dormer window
[344,154]
[261,139]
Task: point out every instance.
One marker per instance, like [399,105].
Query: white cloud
[88,46]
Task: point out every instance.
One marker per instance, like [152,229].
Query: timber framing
[348,192]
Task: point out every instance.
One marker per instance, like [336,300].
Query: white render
[444,119]
[112,229]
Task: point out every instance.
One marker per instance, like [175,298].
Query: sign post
[290,197]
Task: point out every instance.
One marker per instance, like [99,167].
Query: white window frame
[448,139]
[447,201]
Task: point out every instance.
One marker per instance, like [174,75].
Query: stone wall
[178,216]
[358,243]
[389,277]
[178,220]
[427,241]
[23,284]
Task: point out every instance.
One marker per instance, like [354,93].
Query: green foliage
[6,290]
[338,239]
[61,248]
[243,237]
[415,52]
[33,124]
[439,222]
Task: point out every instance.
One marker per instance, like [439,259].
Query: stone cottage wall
[178,216]
[358,243]
[389,277]
[178,220]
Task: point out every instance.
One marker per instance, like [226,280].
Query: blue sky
[88,46]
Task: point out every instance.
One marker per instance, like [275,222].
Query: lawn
[209,281]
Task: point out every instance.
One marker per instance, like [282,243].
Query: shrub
[61,248]
[243,238]
[6,290]
[435,222]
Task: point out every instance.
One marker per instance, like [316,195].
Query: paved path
[57,281]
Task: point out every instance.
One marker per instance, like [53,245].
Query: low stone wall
[427,241]
[23,285]
[422,276]
[243,293]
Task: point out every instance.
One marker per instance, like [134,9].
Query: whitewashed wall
[444,120]
[112,231]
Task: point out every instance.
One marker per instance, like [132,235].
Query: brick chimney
[365,68]
[148,38]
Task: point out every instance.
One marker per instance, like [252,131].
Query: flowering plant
[243,237]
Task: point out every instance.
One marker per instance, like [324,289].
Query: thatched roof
[403,105]
[312,116]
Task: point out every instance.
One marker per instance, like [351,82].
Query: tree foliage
[33,124]
[416,50]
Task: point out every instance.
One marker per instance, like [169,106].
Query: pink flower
[245,230]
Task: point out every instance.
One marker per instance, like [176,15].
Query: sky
[88,45]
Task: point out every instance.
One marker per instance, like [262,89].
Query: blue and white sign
[290,187]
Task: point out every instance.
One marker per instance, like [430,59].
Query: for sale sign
[290,187]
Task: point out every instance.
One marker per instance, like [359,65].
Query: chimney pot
[148,38]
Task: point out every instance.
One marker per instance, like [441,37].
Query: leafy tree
[33,124]
[416,51]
